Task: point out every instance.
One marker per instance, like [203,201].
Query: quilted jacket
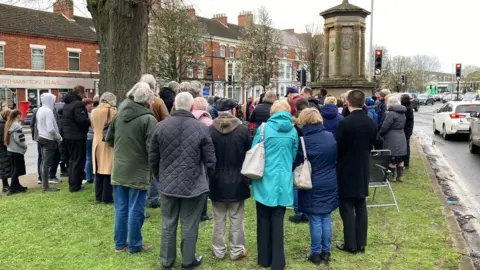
[5,166]
[180,154]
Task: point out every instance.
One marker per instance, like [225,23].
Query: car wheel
[435,131]
[445,135]
[474,149]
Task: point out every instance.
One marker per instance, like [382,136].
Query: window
[73,61]
[222,51]
[200,72]
[281,71]
[190,71]
[288,72]
[2,64]
[38,58]
[282,90]
[285,53]
[232,52]
[230,69]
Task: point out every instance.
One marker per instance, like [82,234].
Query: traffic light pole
[458,89]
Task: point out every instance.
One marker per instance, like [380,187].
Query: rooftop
[344,7]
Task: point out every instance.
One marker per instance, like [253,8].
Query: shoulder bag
[302,175]
[106,126]
[254,163]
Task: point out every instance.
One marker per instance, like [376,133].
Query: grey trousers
[236,212]
[49,149]
[189,211]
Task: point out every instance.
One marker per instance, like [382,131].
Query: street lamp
[370,63]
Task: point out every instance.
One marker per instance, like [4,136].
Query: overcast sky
[448,29]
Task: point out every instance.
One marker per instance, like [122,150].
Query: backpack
[373,115]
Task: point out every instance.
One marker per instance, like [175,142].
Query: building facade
[45,52]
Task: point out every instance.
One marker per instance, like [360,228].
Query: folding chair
[379,173]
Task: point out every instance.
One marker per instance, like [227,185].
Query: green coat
[130,134]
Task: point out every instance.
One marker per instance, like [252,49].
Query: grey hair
[270,96]
[150,80]
[197,88]
[142,93]
[109,98]
[184,86]
[174,86]
[393,101]
[224,113]
[184,101]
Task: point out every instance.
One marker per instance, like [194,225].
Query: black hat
[291,90]
[225,104]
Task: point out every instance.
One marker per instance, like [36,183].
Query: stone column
[362,53]
[338,50]
[326,52]
[356,51]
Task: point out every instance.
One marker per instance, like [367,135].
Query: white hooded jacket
[46,122]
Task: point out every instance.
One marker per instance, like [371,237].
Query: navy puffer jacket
[331,118]
[322,153]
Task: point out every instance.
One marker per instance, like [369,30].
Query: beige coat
[102,154]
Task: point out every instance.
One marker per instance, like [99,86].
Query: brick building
[46,52]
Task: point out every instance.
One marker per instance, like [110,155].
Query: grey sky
[405,27]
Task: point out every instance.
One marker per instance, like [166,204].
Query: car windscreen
[468,108]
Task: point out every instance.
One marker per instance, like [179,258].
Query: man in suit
[356,136]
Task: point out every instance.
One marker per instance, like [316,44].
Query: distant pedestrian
[323,95]
[48,137]
[181,154]
[356,136]
[293,96]
[75,123]
[130,136]
[89,173]
[331,118]
[167,94]
[405,99]
[14,139]
[261,113]
[307,93]
[5,165]
[228,187]
[247,109]
[102,153]
[381,107]
[200,106]
[159,108]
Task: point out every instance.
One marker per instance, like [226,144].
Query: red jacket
[292,102]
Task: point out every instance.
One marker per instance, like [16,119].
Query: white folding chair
[379,173]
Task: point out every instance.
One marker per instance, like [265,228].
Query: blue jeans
[89,164]
[129,217]
[295,202]
[407,158]
[320,233]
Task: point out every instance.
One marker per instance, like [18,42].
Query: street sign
[378,71]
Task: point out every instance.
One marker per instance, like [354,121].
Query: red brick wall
[217,63]
[18,54]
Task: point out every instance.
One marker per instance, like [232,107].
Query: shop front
[29,88]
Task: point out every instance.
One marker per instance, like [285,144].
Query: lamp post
[370,62]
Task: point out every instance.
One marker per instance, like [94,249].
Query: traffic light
[404,80]
[303,79]
[378,62]
[458,71]
[299,75]
[230,79]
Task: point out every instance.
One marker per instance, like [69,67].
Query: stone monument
[344,50]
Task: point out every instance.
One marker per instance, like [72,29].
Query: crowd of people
[175,149]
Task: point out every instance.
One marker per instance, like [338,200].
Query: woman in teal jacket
[274,192]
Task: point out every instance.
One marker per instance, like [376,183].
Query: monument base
[337,87]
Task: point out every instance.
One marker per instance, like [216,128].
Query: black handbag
[106,126]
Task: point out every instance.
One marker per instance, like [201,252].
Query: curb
[458,241]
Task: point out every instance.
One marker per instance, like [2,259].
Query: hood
[71,97]
[15,126]
[398,109]
[281,122]
[198,114]
[313,129]
[313,100]
[330,111]
[225,124]
[166,92]
[48,100]
[369,102]
[132,110]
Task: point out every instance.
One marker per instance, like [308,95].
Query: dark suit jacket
[356,136]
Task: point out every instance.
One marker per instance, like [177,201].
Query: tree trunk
[122,30]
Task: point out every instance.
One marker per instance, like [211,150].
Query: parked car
[452,97]
[425,99]
[454,118]
[474,138]
[413,100]
[471,97]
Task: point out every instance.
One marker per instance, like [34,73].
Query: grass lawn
[70,231]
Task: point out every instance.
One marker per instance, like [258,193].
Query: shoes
[325,256]
[51,189]
[125,248]
[81,189]
[13,191]
[205,218]
[5,189]
[305,218]
[343,248]
[361,249]
[145,247]
[63,174]
[196,263]
[298,219]
[147,215]
[154,204]
[54,180]
[88,181]
[314,258]
[400,179]
[39,181]
[241,256]
[23,189]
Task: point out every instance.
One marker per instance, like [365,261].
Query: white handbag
[254,163]
[302,175]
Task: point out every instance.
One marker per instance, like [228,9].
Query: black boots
[400,174]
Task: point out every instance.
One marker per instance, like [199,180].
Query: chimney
[291,31]
[245,18]
[190,10]
[221,18]
[64,7]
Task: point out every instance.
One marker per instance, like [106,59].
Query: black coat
[261,113]
[5,165]
[231,140]
[75,121]
[180,155]
[410,122]
[168,96]
[313,103]
[356,135]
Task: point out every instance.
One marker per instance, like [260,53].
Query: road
[465,165]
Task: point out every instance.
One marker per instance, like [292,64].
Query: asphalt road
[465,165]
[31,155]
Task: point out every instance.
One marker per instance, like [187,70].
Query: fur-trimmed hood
[225,124]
